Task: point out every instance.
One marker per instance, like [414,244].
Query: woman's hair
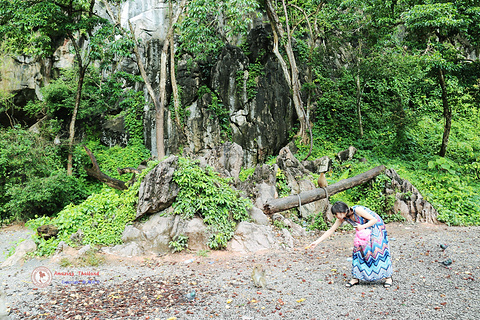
[340,206]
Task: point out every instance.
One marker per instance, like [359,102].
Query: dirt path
[300,284]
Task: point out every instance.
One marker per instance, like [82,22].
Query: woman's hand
[311,245]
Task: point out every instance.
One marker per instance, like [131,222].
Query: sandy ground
[300,284]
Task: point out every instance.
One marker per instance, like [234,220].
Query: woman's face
[341,215]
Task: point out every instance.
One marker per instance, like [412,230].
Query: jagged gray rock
[226,159]
[262,193]
[259,217]
[409,202]
[131,233]
[251,237]
[20,252]
[346,154]
[157,190]
[196,231]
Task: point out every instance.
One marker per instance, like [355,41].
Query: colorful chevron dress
[372,261]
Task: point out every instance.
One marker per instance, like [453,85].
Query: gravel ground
[300,284]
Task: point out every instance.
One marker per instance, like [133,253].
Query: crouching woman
[371,259]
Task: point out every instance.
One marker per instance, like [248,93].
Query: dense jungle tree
[443,34]
[38,27]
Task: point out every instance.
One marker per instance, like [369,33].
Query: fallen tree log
[95,172]
[282,204]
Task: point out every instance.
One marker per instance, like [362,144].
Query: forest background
[405,93]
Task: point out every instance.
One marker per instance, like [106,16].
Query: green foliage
[203,253]
[246,173]
[109,159]
[100,96]
[90,259]
[254,71]
[179,243]
[441,163]
[279,224]
[32,178]
[43,195]
[209,23]
[65,262]
[282,184]
[203,192]
[12,247]
[102,217]
[317,222]
[216,105]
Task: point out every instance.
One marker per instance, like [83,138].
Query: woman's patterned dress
[371,262]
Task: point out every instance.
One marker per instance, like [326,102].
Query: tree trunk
[359,101]
[95,172]
[447,113]
[160,112]
[282,204]
[292,76]
[81,76]
[143,73]
[173,79]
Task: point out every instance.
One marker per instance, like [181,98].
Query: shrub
[32,178]
[204,192]
[102,217]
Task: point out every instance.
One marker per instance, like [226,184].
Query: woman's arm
[364,214]
[327,234]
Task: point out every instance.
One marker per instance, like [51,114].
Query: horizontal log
[292,201]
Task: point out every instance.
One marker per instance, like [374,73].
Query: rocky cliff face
[251,109]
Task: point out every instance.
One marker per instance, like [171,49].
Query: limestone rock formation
[20,252]
[226,159]
[158,191]
[409,202]
[251,237]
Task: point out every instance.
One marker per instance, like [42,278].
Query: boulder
[295,229]
[251,237]
[158,232]
[259,217]
[60,247]
[47,231]
[264,192]
[291,168]
[20,252]
[77,237]
[131,249]
[288,239]
[196,231]
[114,132]
[311,208]
[83,251]
[131,233]
[346,154]
[157,190]
[409,202]
[322,164]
